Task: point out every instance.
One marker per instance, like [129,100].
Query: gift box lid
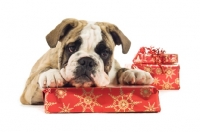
[151,55]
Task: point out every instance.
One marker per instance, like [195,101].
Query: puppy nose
[87,62]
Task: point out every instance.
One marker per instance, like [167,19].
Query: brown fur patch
[119,73]
[111,30]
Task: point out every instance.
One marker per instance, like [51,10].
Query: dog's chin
[82,81]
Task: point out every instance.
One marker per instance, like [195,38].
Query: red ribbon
[156,53]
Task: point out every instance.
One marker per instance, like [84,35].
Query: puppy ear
[118,37]
[60,31]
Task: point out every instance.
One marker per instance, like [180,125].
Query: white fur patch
[136,76]
[91,36]
[51,78]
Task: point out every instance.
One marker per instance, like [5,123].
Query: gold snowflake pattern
[165,58]
[167,85]
[152,60]
[123,103]
[148,69]
[174,58]
[169,72]
[60,93]
[46,103]
[158,71]
[150,108]
[65,109]
[145,92]
[137,60]
[177,80]
[156,81]
[88,100]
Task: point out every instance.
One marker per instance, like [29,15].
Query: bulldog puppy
[81,55]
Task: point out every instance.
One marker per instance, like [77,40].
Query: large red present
[164,68]
[102,99]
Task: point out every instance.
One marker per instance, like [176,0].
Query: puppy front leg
[37,81]
[32,94]
[133,76]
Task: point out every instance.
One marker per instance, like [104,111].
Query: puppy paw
[51,78]
[135,76]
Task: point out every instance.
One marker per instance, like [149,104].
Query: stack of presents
[163,67]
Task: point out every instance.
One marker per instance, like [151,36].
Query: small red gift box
[154,56]
[164,68]
[102,99]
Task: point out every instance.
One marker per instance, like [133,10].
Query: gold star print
[152,60]
[167,85]
[150,108]
[148,69]
[177,80]
[123,103]
[165,58]
[174,58]
[158,71]
[88,100]
[145,92]
[156,81]
[138,60]
[46,103]
[65,109]
[60,93]
[169,72]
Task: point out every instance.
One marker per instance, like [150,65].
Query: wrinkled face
[87,60]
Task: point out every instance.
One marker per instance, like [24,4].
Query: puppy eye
[104,54]
[72,49]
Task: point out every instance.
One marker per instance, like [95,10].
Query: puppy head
[86,53]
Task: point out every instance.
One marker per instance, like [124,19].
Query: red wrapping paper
[153,59]
[165,78]
[102,99]
[163,67]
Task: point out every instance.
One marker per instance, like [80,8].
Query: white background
[173,25]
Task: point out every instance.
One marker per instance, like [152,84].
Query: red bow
[156,53]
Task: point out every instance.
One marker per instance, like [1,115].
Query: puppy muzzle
[86,71]
[86,67]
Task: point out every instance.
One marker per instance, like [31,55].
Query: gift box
[152,55]
[102,99]
[165,77]
[163,67]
